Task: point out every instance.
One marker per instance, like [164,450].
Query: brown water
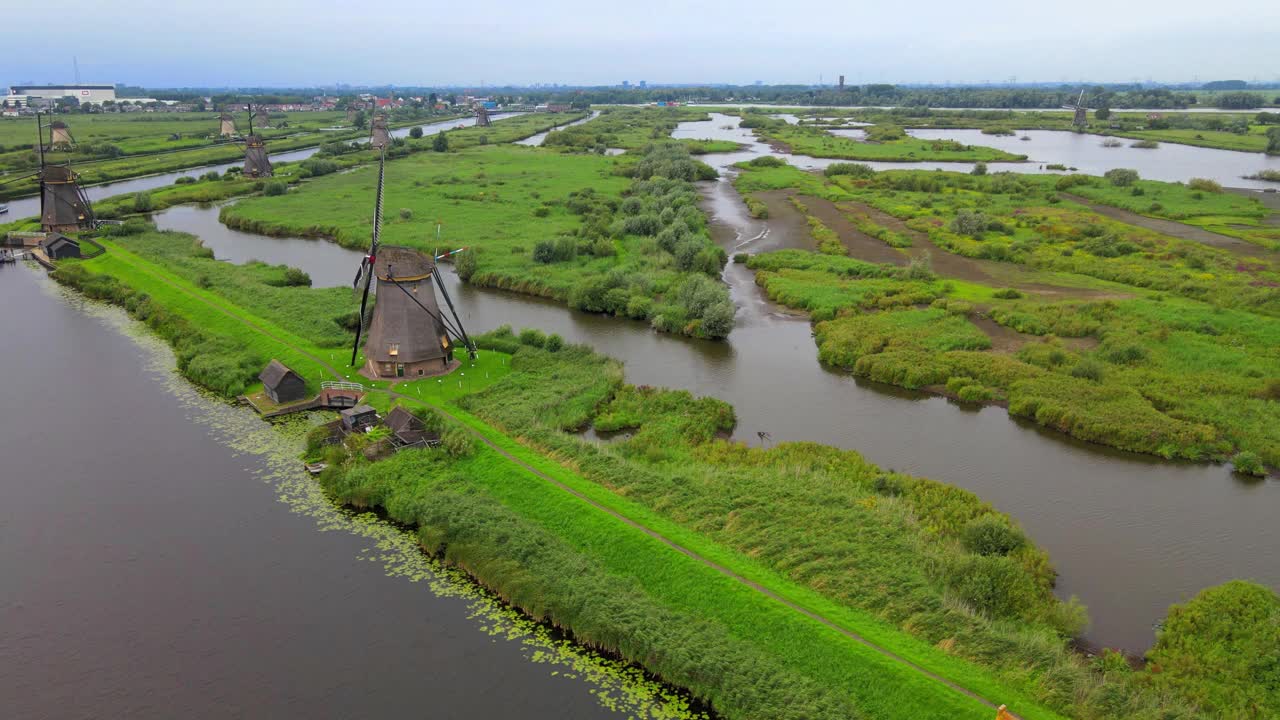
[162,557]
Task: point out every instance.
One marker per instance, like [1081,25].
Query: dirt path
[859,244]
[1175,229]
[160,275]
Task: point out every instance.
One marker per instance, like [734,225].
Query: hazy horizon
[573,42]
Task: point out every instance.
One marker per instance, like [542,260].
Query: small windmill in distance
[1081,118]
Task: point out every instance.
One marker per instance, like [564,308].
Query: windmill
[408,335]
[60,136]
[256,162]
[482,116]
[226,125]
[1081,118]
[64,207]
[263,118]
[379,137]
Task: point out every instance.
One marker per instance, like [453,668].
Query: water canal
[163,556]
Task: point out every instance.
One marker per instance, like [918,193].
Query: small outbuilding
[282,385]
[57,246]
[358,418]
[407,430]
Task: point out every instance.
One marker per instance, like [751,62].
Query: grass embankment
[614,235]
[891,552]
[883,143]
[631,129]
[1182,365]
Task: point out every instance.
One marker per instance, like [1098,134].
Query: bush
[1121,177]
[533,337]
[1007,294]
[554,343]
[1087,369]
[857,170]
[1248,463]
[142,202]
[415,132]
[1205,185]
[406,214]
[991,535]
[184,180]
[441,142]
[979,169]
[293,277]
[767,161]
[740,258]
[464,264]
[274,188]
[993,585]
[316,167]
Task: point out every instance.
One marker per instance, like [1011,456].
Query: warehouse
[93,94]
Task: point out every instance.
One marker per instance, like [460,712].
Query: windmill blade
[466,341]
[367,265]
[31,174]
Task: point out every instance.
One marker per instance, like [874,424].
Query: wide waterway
[1129,534]
[164,555]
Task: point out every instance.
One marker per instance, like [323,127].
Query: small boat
[4,209]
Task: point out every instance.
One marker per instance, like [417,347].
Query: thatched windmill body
[64,207]
[226,125]
[482,116]
[408,335]
[1081,117]
[379,136]
[257,164]
[60,136]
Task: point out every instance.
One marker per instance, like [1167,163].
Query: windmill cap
[405,263]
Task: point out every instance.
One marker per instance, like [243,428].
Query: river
[1129,534]
[164,556]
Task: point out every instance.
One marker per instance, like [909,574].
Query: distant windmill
[60,136]
[226,125]
[1081,118]
[262,118]
[482,116]
[379,137]
[256,162]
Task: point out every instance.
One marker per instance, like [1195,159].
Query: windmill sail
[366,265]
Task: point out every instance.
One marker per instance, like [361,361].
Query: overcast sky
[167,43]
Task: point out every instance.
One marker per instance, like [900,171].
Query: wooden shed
[408,431]
[57,246]
[358,418]
[282,384]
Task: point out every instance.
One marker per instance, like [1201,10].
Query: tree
[415,133]
[1102,113]
[432,100]
[360,120]
[441,143]
[1273,141]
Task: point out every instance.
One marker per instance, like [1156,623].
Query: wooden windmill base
[411,371]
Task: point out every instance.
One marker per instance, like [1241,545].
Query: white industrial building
[92,94]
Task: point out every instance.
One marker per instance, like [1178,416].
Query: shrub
[274,188]
[1087,369]
[406,214]
[464,264]
[1248,463]
[993,585]
[415,132]
[142,202]
[319,166]
[979,169]
[969,222]
[554,343]
[740,258]
[1205,185]
[184,180]
[293,277]
[767,161]
[533,337]
[857,170]
[1121,177]
[541,211]
[991,535]
[441,142]
[1007,294]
